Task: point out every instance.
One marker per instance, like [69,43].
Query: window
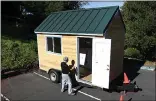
[54,44]
[49,44]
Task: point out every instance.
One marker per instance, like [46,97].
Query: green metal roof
[86,21]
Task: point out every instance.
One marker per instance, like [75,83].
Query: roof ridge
[84,9]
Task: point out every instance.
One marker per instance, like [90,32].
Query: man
[65,76]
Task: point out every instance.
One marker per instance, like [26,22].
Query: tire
[54,76]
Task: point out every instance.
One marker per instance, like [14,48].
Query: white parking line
[74,89]
[41,75]
[4,97]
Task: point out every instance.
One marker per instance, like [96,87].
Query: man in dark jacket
[65,76]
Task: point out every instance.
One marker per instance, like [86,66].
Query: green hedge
[133,53]
[16,53]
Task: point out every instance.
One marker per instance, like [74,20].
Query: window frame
[53,36]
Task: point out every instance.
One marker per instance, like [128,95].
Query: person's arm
[72,68]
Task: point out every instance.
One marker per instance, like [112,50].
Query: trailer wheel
[54,76]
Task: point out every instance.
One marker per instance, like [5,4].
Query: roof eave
[64,33]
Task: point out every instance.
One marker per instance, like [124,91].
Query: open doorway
[85,59]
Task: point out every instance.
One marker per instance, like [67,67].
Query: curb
[148,68]
[11,73]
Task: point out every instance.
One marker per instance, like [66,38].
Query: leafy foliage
[32,11]
[16,54]
[41,9]
[18,24]
[15,8]
[46,7]
[132,52]
[139,18]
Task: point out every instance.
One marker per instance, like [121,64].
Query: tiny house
[92,39]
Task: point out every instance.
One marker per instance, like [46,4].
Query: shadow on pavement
[81,87]
[131,68]
[130,99]
[6,73]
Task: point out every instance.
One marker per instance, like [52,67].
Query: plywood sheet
[87,78]
[49,60]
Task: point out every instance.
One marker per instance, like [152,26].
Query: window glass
[49,44]
[57,45]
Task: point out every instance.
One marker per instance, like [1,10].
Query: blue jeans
[66,80]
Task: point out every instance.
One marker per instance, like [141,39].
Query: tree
[139,18]
[42,9]
[29,14]
[11,8]
[61,6]
[18,48]
[35,12]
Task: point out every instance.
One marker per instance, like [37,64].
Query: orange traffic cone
[121,97]
[126,79]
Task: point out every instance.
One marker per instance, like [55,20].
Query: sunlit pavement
[31,86]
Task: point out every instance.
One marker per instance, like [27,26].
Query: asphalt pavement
[37,86]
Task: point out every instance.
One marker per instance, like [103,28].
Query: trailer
[92,39]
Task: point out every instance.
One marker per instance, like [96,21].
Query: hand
[73,68]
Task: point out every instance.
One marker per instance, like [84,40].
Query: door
[101,62]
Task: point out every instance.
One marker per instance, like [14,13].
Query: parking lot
[37,86]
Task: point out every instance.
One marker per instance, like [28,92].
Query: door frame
[78,59]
